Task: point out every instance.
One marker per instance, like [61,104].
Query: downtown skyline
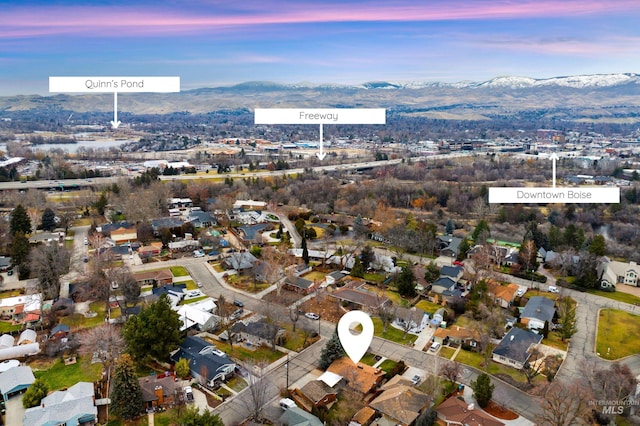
[212,43]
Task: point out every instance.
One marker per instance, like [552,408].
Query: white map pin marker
[355,345]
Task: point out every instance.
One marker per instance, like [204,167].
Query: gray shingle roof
[64,406]
[540,308]
[516,344]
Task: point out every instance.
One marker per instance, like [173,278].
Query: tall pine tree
[20,221]
[305,251]
[126,395]
[331,351]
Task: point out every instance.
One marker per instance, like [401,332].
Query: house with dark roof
[159,390]
[454,411]
[400,403]
[514,349]
[242,262]
[253,233]
[361,299]
[259,332]
[299,284]
[453,272]
[334,277]
[449,245]
[443,284]
[200,219]
[315,394]
[15,381]
[207,364]
[165,223]
[74,406]
[537,311]
[456,335]
[411,319]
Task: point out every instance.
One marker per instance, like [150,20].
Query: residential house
[537,311]
[165,223]
[18,307]
[363,417]
[299,269]
[455,411]
[296,416]
[361,378]
[60,331]
[334,277]
[514,349]
[107,228]
[614,272]
[411,319]
[199,319]
[159,390]
[299,284]
[361,299]
[317,255]
[74,406]
[253,233]
[443,285]
[453,272]
[180,203]
[157,278]
[456,335]
[314,394]
[259,332]
[400,403]
[150,250]
[15,381]
[502,295]
[123,235]
[449,245]
[47,238]
[200,219]
[250,205]
[207,364]
[242,262]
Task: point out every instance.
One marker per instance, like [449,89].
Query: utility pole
[286,366]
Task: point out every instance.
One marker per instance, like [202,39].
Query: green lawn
[7,327]
[392,295]
[314,275]
[376,278]
[296,341]
[446,352]
[242,353]
[618,295]
[60,376]
[237,383]
[387,365]
[194,300]
[368,359]
[191,285]
[617,334]
[80,321]
[392,333]
[428,307]
[217,267]
[179,271]
[476,360]
[553,339]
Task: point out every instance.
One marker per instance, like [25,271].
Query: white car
[435,346]
[553,289]
[312,316]
[520,292]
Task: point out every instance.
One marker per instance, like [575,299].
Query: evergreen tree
[101,204]
[358,226]
[331,351]
[192,417]
[481,232]
[153,333]
[48,220]
[20,221]
[450,227]
[357,270]
[367,256]
[432,272]
[305,251]
[463,249]
[19,248]
[483,389]
[567,312]
[126,395]
[598,246]
[406,282]
[35,393]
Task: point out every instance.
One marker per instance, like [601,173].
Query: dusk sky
[209,43]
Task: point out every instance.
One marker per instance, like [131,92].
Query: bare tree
[564,404]
[450,370]
[534,365]
[49,262]
[259,386]
[294,315]
[105,340]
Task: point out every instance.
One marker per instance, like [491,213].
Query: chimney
[511,338]
[158,392]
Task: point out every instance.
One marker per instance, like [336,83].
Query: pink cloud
[123,21]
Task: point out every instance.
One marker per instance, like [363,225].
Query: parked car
[236,314]
[198,253]
[416,380]
[457,263]
[312,316]
[553,289]
[286,403]
[434,347]
[199,284]
[238,303]
[520,292]
[188,394]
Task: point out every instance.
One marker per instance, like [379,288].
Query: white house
[614,272]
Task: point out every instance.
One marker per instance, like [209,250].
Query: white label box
[586,195]
[320,116]
[114,84]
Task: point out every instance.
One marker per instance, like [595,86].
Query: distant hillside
[598,98]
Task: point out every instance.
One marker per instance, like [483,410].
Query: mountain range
[598,98]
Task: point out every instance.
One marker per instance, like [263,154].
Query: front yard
[59,376]
[392,333]
[241,352]
[617,334]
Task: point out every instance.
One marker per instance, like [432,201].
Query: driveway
[15,411]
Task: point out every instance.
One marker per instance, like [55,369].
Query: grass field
[7,327]
[243,353]
[617,334]
[476,360]
[314,275]
[446,352]
[618,295]
[80,321]
[179,271]
[428,307]
[392,333]
[58,375]
[553,339]
[296,341]
[194,300]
